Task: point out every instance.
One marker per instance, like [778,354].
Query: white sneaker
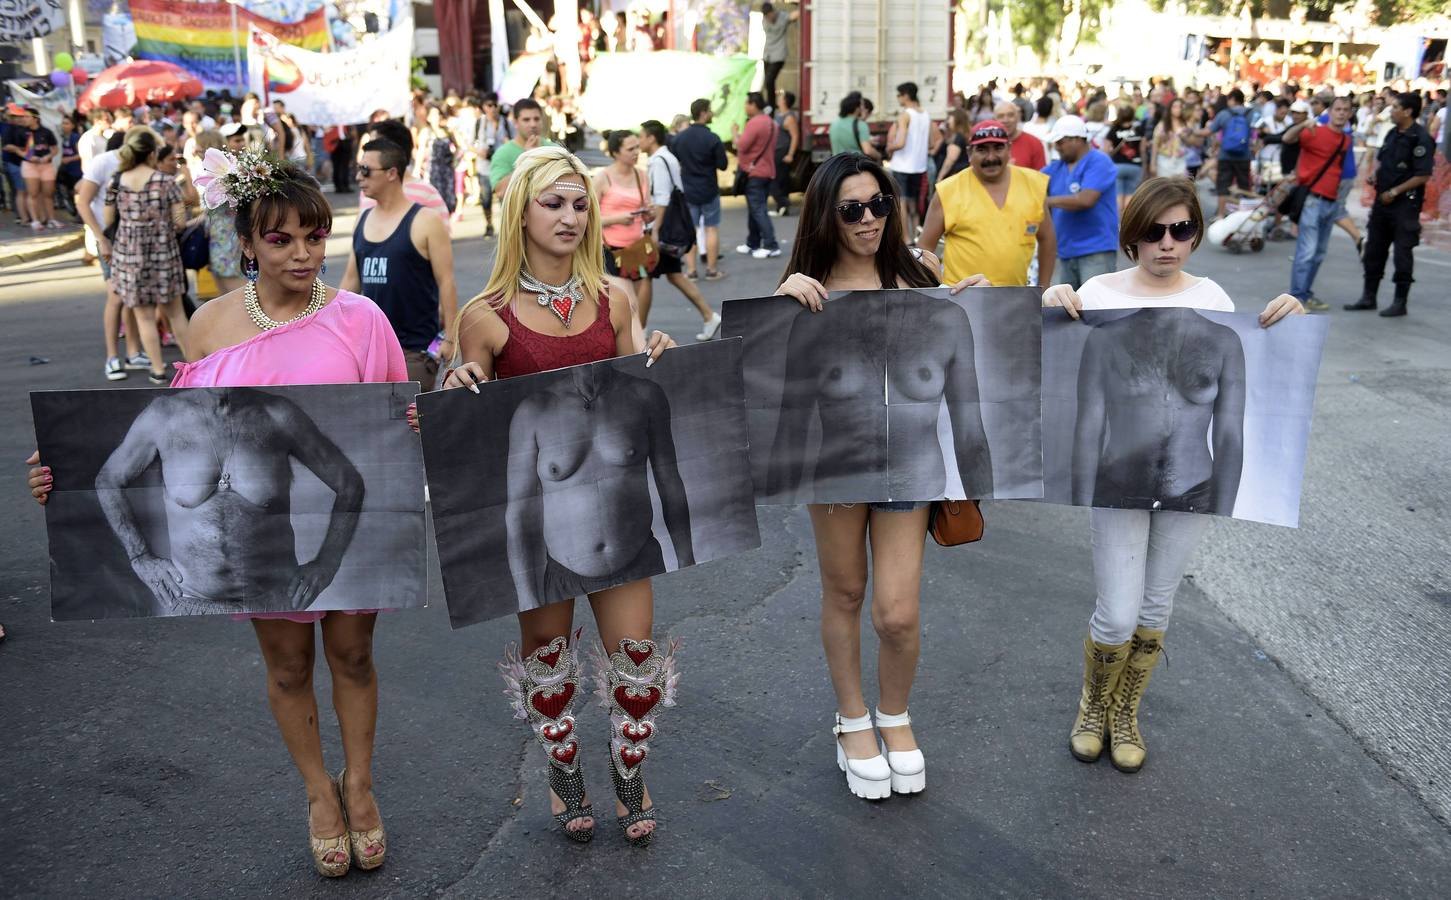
[869,779]
[743,249]
[139,363]
[710,328]
[909,768]
[115,371]
[763,253]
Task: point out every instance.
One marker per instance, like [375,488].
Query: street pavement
[1298,732]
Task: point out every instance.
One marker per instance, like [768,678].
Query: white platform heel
[909,767]
[870,779]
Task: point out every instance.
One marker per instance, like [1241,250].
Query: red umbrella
[134,83]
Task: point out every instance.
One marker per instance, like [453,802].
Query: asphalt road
[1298,734]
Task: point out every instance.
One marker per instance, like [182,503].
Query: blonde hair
[534,172]
[211,139]
[140,143]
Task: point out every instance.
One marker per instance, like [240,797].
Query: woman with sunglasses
[549,269]
[1139,556]
[851,239]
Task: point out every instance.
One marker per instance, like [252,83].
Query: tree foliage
[1039,24]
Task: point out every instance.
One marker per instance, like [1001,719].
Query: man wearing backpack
[663,170]
[1234,128]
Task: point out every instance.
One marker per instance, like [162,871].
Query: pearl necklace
[560,298]
[267,323]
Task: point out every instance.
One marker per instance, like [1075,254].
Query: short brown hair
[1149,202]
[297,190]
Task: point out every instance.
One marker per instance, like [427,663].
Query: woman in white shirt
[1139,556]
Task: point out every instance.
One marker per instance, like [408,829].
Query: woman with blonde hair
[547,305]
[146,207]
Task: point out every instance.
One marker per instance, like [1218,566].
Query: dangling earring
[249,268]
[323,271]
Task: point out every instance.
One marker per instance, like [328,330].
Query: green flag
[626,89]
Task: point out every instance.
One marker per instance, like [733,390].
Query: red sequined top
[528,351]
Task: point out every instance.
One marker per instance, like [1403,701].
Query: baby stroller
[1245,226]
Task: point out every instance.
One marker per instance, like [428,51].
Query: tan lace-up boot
[1102,664]
[1127,745]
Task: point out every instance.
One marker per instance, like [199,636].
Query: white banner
[21,20]
[342,88]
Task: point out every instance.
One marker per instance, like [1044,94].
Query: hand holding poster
[904,395]
[333,88]
[1179,409]
[550,486]
[232,500]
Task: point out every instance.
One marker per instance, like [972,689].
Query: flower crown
[236,180]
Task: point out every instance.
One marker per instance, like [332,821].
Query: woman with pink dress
[284,326]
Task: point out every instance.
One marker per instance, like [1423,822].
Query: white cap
[1300,106]
[232,128]
[1067,127]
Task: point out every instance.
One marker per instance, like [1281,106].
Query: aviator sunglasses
[1179,231]
[881,206]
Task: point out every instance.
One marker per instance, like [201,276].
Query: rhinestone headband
[569,186]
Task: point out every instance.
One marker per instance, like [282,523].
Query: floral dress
[440,167]
[225,258]
[145,257]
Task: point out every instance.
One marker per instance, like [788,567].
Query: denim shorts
[17,181]
[1129,176]
[707,214]
[890,506]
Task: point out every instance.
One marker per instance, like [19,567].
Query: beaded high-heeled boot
[631,683]
[542,689]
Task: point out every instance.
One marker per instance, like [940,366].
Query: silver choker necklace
[560,298]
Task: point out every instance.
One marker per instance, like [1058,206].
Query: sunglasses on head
[881,206]
[994,133]
[1179,231]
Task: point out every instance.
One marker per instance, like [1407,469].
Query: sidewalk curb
[64,245]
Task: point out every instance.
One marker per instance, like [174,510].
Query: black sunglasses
[1179,231]
[881,206]
[364,171]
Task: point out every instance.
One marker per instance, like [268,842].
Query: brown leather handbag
[955,522]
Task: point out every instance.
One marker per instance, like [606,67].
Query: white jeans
[1139,558]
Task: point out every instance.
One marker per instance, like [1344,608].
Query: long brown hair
[818,237]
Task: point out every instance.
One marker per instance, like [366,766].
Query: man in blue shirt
[1084,204]
[1235,127]
[701,154]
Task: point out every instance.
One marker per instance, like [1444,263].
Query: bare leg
[712,248]
[176,318]
[897,540]
[32,191]
[347,643]
[644,296]
[841,551]
[111,323]
[133,329]
[1348,225]
[150,337]
[627,611]
[538,627]
[288,651]
[692,293]
[47,200]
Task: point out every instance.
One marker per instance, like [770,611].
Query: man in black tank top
[403,262]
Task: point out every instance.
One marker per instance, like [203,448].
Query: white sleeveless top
[913,157]
[1203,294]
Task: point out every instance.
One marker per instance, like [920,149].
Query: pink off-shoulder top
[348,341]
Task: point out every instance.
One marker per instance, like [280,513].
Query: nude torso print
[1161,414]
[578,479]
[227,477]
[909,352]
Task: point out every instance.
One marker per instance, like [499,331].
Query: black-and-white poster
[196,501]
[1179,409]
[21,20]
[552,486]
[893,395]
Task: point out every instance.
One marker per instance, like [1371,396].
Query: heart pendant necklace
[561,299]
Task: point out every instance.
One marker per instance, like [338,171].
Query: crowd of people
[1016,190]
[1301,155]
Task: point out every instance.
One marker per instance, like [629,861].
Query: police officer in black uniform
[1403,167]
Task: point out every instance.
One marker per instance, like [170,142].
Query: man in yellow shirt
[994,214]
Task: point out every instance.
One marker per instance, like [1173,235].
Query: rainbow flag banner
[198,36]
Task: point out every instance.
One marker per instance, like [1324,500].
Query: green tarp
[626,89]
